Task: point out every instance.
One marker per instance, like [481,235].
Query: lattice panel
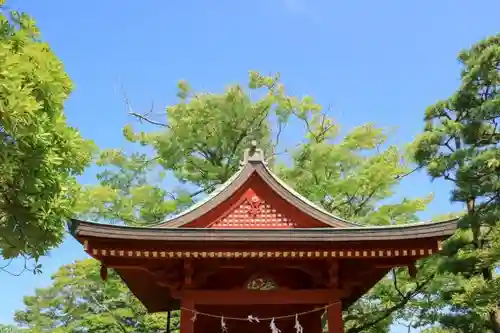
[255,213]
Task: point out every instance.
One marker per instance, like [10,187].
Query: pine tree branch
[389,311]
[395,280]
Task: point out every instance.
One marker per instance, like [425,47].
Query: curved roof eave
[306,201]
[221,193]
[224,192]
[441,230]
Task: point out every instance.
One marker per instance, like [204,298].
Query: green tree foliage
[79,301]
[197,144]
[461,144]
[10,329]
[39,153]
[439,330]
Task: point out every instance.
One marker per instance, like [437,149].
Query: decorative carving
[262,284]
[254,208]
[254,212]
[253,154]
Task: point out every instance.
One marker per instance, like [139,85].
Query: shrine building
[255,256]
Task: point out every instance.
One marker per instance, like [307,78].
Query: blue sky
[371,61]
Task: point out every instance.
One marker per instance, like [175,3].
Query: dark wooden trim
[311,254]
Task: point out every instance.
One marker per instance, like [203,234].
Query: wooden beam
[246,297]
[188,273]
[335,321]
[186,324]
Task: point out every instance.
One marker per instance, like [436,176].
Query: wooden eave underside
[133,251]
[142,282]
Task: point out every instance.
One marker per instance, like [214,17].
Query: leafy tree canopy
[79,301]
[461,144]
[39,152]
[10,329]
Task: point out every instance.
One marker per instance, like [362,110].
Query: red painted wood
[187,325]
[253,212]
[335,321]
[312,322]
[247,297]
[243,196]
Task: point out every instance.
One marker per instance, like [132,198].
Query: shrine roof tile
[170,222]
[84,229]
[224,192]
[336,229]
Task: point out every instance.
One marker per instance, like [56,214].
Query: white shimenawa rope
[253,319]
[223,325]
[273,327]
[298,327]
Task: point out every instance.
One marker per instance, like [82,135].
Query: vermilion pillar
[335,321]
[187,325]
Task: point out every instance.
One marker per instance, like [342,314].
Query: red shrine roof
[256,216]
[254,185]
[254,204]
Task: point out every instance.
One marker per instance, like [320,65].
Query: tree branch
[205,189]
[366,199]
[395,280]
[142,117]
[389,311]
[399,177]
[24,269]
[105,308]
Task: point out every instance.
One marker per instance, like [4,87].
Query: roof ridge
[305,200]
[219,188]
